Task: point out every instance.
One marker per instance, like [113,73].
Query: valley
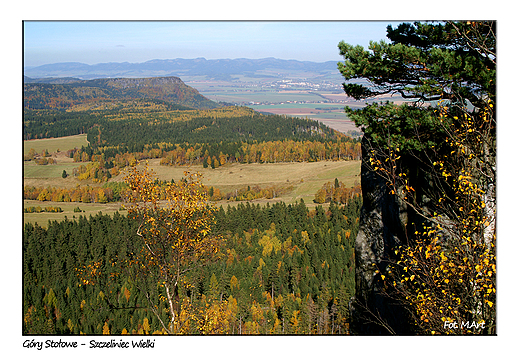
[320,100]
[299,97]
[285,188]
[294,88]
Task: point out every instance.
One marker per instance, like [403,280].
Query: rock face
[385,223]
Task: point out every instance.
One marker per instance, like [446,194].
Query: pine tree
[437,156]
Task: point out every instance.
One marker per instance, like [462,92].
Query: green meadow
[304,178]
[61,144]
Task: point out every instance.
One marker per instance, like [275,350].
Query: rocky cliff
[385,222]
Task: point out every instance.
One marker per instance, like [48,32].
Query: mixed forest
[181,257]
[276,268]
[282,269]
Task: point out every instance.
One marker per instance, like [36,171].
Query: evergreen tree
[437,156]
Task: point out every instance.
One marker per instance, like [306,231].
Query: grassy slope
[32,170]
[53,144]
[306,178]
[50,175]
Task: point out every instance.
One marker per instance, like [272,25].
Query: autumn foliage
[436,153]
[175,237]
[336,192]
[448,273]
[84,194]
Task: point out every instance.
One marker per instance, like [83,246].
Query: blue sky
[137,41]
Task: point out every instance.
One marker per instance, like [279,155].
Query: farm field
[330,114]
[245,96]
[68,211]
[51,174]
[54,144]
[302,176]
[313,108]
[32,170]
[305,178]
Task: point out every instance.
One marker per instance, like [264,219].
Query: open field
[54,144]
[50,174]
[32,170]
[331,114]
[68,211]
[314,111]
[341,125]
[316,108]
[305,177]
[244,96]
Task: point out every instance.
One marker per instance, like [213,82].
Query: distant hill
[58,80]
[213,68]
[80,92]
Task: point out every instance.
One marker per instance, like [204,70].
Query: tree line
[105,163]
[336,192]
[110,192]
[39,209]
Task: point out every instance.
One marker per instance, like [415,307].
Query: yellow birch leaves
[175,233]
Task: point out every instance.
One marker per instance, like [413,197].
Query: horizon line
[170,59]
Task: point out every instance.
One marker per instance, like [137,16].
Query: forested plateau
[104,91]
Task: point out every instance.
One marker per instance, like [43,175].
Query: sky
[92,42]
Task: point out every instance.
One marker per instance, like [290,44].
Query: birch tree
[175,238]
